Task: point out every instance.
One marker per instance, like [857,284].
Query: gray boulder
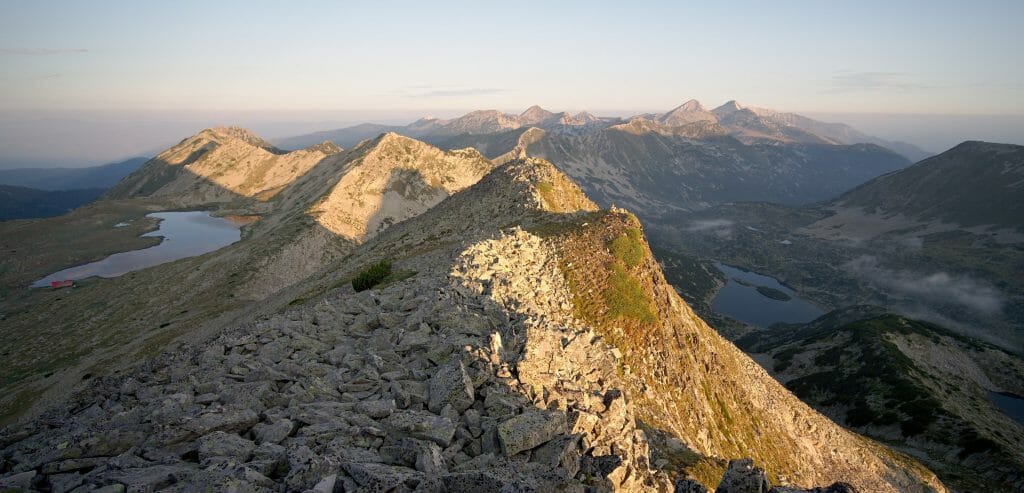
[221,444]
[274,432]
[451,385]
[683,485]
[742,477]
[528,430]
[422,425]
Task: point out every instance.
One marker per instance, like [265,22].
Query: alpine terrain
[399,318]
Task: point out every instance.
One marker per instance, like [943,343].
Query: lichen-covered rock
[274,432]
[528,430]
[422,425]
[451,386]
[221,444]
[379,477]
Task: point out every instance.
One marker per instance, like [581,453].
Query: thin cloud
[443,91]
[848,81]
[937,288]
[41,51]
[480,91]
[710,224]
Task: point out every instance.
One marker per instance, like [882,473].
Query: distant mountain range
[684,159]
[104,176]
[748,124]
[26,203]
[27,193]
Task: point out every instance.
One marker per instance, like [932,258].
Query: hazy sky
[325,62]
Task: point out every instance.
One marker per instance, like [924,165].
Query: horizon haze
[84,85]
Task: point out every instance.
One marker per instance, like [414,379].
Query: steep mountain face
[524,339]
[101,177]
[912,384]
[685,159]
[27,203]
[391,179]
[218,165]
[972,184]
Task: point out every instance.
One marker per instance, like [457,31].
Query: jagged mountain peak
[690,106]
[730,106]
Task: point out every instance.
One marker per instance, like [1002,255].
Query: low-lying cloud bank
[935,288]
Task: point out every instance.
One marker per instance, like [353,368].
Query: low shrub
[372,276]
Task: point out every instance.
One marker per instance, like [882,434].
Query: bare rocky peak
[689,112]
[326,147]
[585,116]
[392,178]
[226,134]
[730,106]
[219,165]
[692,106]
[534,115]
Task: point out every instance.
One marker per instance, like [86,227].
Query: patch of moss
[547,192]
[625,298]
[628,247]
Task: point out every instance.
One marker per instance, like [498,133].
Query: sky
[143,74]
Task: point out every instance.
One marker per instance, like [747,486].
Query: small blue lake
[185,234]
[760,300]
[1009,404]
